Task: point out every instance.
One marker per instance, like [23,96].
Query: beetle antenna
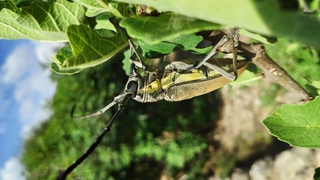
[115,101]
[122,101]
[121,105]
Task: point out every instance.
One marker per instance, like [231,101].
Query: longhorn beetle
[176,82]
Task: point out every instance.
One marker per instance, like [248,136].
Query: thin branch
[257,54]
[277,74]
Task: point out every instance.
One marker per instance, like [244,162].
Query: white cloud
[12,170]
[32,84]
[40,88]
[45,50]
[17,63]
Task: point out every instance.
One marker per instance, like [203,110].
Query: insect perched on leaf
[176,81]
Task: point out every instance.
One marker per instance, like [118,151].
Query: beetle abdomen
[187,90]
[190,90]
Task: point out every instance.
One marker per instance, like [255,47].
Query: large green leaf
[94,7]
[264,17]
[89,48]
[45,21]
[298,125]
[100,6]
[103,22]
[184,42]
[167,26]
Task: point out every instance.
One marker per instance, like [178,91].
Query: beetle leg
[136,63]
[179,66]
[235,50]
[221,71]
[213,51]
[234,35]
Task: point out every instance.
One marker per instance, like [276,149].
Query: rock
[295,164]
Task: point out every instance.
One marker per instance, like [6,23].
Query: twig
[277,74]
[257,54]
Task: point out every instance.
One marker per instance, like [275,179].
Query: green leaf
[184,42]
[246,78]
[316,84]
[167,26]
[104,23]
[314,5]
[126,63]
[45,21]
[56,69]
[298,125]
[257,37]
[263,17]
[313,87]
[62,54]
[94,7]
[117,8]
[89,48]
[97,7]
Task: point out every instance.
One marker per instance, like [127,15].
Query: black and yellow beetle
[175,84]
[177,81]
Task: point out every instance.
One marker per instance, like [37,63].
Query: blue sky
[25,87]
